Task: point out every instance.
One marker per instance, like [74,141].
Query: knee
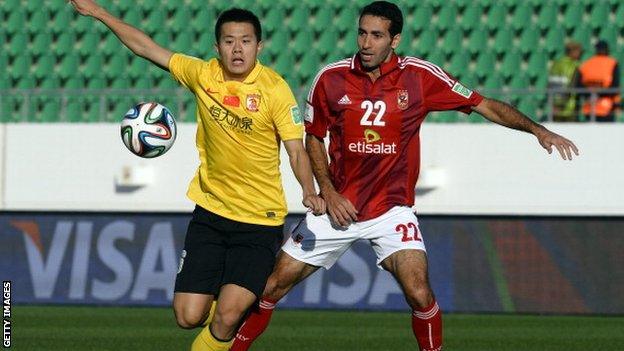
[419,297]
[227,320]
[187,318]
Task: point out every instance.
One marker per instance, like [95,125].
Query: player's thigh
[409,267]
[318,242]
[234,301]
[203,259]
[287,273]
[251,253]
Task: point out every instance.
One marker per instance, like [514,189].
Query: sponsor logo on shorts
[298,238]
[181,264]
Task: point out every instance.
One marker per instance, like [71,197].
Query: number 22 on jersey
[379,107]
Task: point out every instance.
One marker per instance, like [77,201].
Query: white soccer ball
[148,129]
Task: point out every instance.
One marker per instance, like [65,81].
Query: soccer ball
[148,129]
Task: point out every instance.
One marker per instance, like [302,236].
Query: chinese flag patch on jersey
[231,100]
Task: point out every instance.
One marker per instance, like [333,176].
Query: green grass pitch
[136,329]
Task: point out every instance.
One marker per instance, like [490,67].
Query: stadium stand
[492,45]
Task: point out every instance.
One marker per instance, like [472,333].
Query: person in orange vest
[600,71]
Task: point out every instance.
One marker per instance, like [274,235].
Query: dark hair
[602,47]
[388,11]
[238,15]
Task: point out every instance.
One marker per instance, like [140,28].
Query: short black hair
[241,16]
[388,11]
[602,47]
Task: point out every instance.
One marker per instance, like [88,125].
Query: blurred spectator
[561,76]
[600,71]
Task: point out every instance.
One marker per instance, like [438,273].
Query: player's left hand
[85,7]
[315,203]
[549,139]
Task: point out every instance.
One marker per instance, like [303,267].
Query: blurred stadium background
[508,229]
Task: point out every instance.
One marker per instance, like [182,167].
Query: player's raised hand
[549,139]
[340,209]
[315,203]
[85,7]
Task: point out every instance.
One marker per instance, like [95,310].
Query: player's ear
[216,48]
[260,46]
[396,40]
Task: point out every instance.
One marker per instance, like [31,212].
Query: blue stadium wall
[477,264]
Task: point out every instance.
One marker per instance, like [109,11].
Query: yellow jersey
[239,128]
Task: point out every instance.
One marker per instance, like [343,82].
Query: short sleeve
[186,69]
[285,112]
[317,111]
[442,92]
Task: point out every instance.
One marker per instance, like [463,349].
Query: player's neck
[234,77]
[229,76]
[374,73]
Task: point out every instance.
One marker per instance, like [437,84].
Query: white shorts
[317,241]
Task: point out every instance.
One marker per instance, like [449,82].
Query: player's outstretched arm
[134,39]
[508,116]
[300,164]
[339,208]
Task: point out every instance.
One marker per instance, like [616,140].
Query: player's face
[375,42]
[238,48]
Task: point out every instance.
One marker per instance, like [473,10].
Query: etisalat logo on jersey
[372,144]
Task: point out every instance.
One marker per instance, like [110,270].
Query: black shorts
[219,251]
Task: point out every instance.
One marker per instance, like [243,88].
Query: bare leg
[191,310]
[234,301]
[409,268]
[287,273]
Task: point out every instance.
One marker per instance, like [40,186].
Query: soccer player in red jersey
[373,105]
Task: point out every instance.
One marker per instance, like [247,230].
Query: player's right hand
[315,203]
[85,7]
[340,209]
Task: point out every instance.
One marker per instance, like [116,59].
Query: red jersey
[374,145]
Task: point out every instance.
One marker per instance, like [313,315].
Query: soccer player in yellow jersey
[244,110]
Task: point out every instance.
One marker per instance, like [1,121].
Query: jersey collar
[384,68]
[250,79]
